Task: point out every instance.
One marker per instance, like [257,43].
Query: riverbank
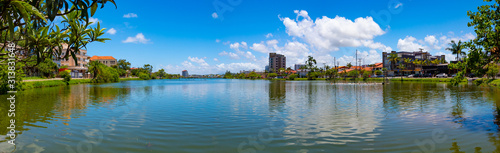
[40,83]
[487,82]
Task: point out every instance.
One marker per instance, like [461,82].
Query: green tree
[148,68]
[66,76]
[122,67]
[456,48]
[492,70]
[292,76]
[102,73]
[311,63]
[228,75]
[394,59]
[161,73]
[272,75]
[349,65]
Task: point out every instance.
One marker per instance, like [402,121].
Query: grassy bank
[53,83]
[487,82]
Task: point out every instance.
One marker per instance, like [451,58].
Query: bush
[312,75]
[492,70]
[272,75]
[378,72]
[144,76]
[66,76]
[103,73]
[366,75]
[292,76]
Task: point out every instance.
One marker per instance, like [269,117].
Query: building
[185,73]
[410,67]
[77,70]
[299,66]
[106,60]
[276,61]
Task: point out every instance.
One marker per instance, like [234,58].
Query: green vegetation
[102,73]
[144,76]
[122,67]
[66,77]
[484,50]
[53,83]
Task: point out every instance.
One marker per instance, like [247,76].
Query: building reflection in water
[321,113]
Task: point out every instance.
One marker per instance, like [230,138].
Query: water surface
[255,115]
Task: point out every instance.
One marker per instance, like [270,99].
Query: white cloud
[139,38]
[230,54]
[398,5]
[269,35]
[200,61]
[364,58]
[130,15]
[112,31]
[448,56]
[214,15]
[94,20]
[217,40]
[329,34]
[215,59]
[236,46]
[260,47]
[410,44]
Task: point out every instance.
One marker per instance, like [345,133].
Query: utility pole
[356,59]
[334,65]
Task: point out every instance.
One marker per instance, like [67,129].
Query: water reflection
[217,115]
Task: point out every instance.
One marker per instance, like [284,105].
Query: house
[106,60]
[78,70]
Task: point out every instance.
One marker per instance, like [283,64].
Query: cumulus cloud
[200,61]
[215,59]
[139,38]
[112,31]
[230,54]
[215,15]
[236,46]
[410,44]
[329,34]
[130,15]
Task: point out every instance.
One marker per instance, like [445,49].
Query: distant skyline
[204,38]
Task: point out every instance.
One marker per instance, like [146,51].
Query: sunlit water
[254,115]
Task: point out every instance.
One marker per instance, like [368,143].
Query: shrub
[103,73]
[272,75]
[66,76]
[144,76]
[366,75]
[292,76]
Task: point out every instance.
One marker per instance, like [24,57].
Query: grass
[53,83]
[33,78]
[487,82]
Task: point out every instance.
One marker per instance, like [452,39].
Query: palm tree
[407,61]
[456,48]
[394,59]
[402,67]
[311,62]
[94,69]
[417,63]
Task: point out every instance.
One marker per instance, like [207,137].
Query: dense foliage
[102,73]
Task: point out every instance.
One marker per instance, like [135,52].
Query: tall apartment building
[276,61]
[77,70]
[185,73]
[106,60]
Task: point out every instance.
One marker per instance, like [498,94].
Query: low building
[410,68]
[299,66]
[106,60]
[78,70]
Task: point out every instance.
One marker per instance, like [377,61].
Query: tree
[228,75]
[122,66]
[456,48]
[102,73]
[311,63]
[148,68]
[492,70]
[393,58]
[66,76]
[161,73]
[349,65]
[402,67]
[272,75]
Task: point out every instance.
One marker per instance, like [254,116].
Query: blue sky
[197,36]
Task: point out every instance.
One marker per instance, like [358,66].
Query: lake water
[254,116]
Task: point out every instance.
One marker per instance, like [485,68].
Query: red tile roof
[101,58]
